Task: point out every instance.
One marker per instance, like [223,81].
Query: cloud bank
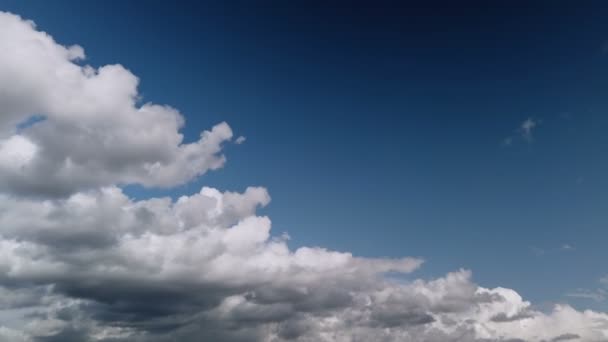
[80,261]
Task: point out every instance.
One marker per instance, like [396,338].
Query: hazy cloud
[567,247]
[525,132]
[526,128]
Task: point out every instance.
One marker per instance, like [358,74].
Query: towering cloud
[80,261]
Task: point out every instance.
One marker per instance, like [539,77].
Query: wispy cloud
[240,140]
[524,132]
[599,294]
[537,251]
[567,247]
[540,251]
[527,127]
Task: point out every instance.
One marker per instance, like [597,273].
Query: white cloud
[567,247]
[241,139]
[93,133]
[525,132]
[91,264]
[527,128]
[599,294]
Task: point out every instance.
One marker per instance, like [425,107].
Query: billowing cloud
[90,130]
[81,261]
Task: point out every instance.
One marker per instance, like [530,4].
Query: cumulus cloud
[90,130]
[81,261]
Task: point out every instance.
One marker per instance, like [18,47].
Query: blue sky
[382,131]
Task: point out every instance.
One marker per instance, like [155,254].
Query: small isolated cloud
[240,140]
[549,250]
[527,127]
[567,247]
[525,132]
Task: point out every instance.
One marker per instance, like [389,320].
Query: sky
[423,148]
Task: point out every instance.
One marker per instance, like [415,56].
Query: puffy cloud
[91,130]
[81,261]
[102,266]
[159,262]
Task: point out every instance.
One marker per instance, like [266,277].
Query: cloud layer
[80,261]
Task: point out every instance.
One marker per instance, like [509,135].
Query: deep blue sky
[379,130]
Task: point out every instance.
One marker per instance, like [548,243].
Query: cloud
[549,250]
[599,294]
[241,139]
[537,251]
[567,247]
[89,130]
[527,127]
[525,132]
[81,261]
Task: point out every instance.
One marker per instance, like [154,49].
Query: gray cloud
[502,317]
[566,337]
